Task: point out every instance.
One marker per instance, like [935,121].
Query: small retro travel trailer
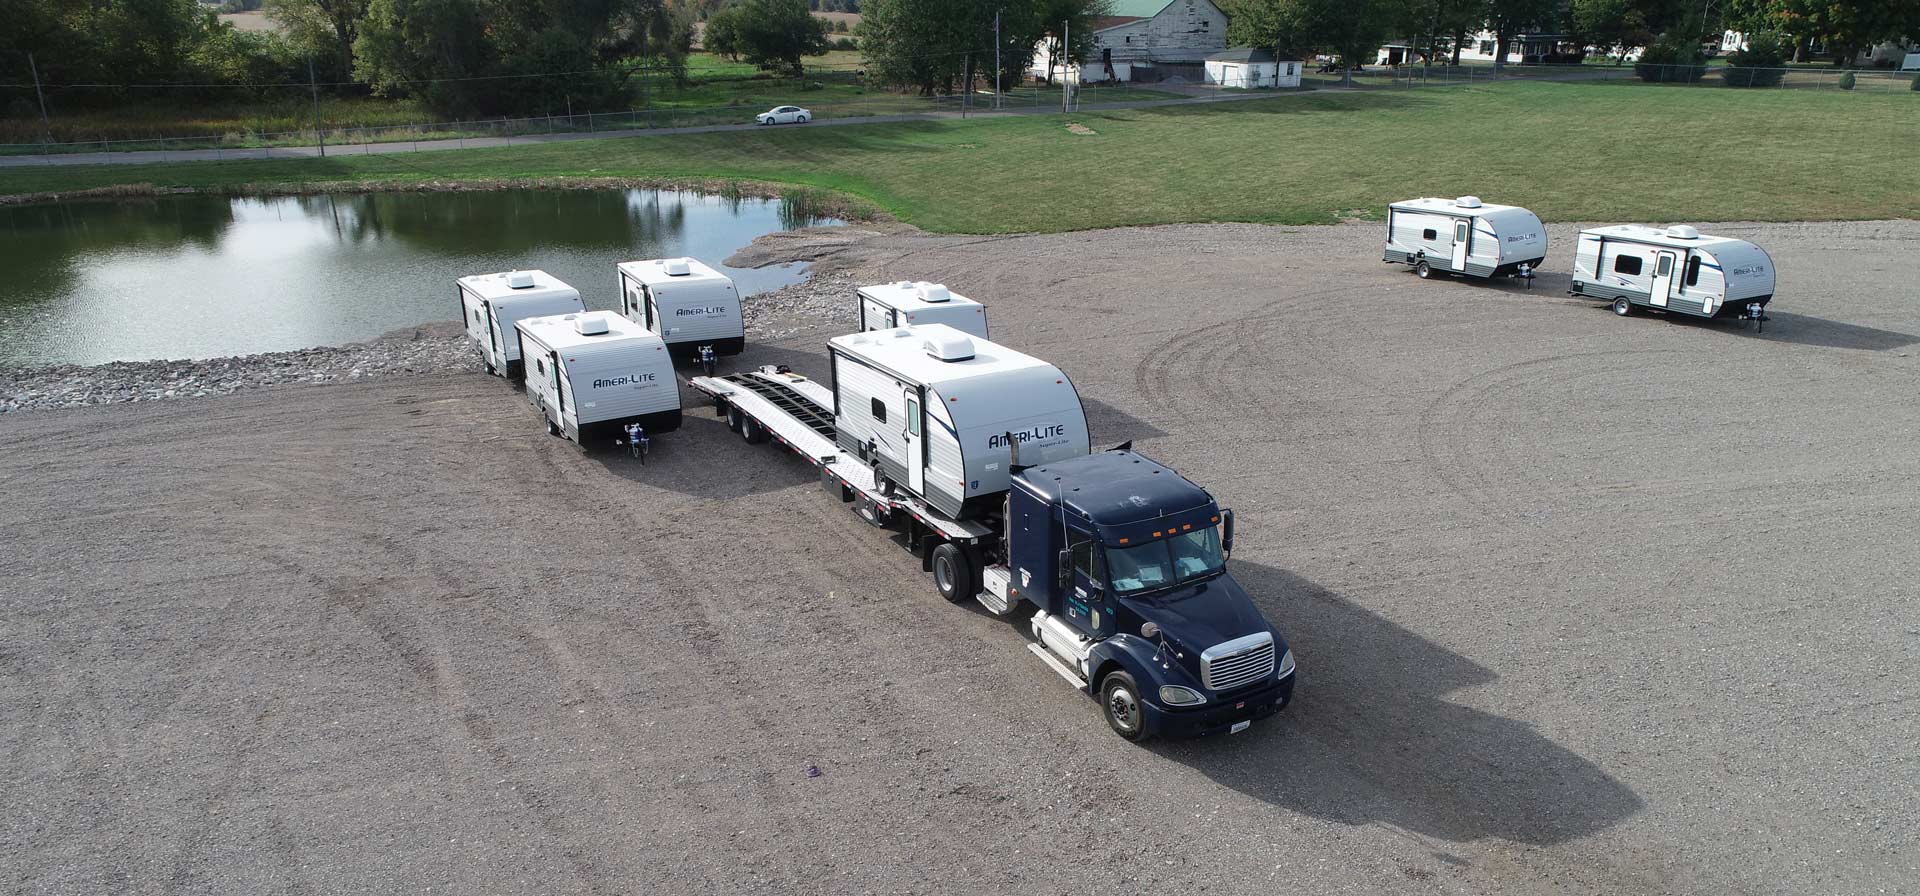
[491,303]
[687,303]
[592,374]
[932,410]
[1464,236]
[908,304]
[1672,269]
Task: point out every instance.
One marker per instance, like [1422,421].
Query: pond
[206,276]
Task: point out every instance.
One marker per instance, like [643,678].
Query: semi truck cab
[1125,561]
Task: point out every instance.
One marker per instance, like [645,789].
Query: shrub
[1759,65]
[1916,83]
[845,43]
[1671,58]
[1846,81]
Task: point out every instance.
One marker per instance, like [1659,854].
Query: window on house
[1486,48]
[1693,271]
[1429,234]
[879,411]
[1628,265]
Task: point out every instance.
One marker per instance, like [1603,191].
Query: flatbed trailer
[1106,546]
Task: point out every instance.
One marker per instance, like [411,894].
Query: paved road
[308,152]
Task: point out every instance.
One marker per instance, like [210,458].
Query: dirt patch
[1081,129]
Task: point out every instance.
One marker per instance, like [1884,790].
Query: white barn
[1144,40]
[1251,67]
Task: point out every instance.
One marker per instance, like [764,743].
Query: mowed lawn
[1623,152]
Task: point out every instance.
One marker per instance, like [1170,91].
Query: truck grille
[1237,662]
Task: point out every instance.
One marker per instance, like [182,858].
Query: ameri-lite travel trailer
[687,303]
[908,303]
[592,374]
[491,304]
[932,409]
[1464,236]
[1672,269]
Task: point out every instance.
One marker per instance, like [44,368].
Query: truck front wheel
[1120,701]
[953,573]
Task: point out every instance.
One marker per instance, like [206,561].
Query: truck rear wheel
[953,573]
[1120,703]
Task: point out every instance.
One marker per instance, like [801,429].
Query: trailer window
[1693,271]
[879,411]
[913,417]
[1429,234]
[1627,264]
[1664,267]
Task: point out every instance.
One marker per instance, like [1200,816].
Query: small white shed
[1251,67]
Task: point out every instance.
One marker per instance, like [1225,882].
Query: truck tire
[1622,306]
[953,573]
[752,431]
[1120,703]
[1423,270]
[735,418]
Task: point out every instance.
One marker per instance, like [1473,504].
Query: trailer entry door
[1662,280]
[1462,229]
[911,436]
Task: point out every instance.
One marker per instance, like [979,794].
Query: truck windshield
[1169,561]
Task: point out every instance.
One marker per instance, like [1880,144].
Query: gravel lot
[1582,605]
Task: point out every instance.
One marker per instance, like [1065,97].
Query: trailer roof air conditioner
[1683,232]
[520,280]
[1468,202]
[590,324]
[949,348]
[931,292]
[676,267]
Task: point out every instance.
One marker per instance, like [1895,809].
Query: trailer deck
[798,413]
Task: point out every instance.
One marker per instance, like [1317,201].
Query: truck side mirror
[1226,531]
[1149,630]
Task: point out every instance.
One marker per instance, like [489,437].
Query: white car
[785,115]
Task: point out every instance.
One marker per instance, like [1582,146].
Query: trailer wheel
[953,573]
[553,429]
[752,431]
[735,418]
[1120,703]
[1622,306]
[1423,270]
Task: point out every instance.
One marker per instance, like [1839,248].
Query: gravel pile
[429,348]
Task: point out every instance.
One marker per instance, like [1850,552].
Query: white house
[1482,47]
[1145,40]
[1250,67]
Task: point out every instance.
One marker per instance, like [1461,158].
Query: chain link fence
[1799,77]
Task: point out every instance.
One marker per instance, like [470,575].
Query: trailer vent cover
[950,348]
[520,280]
[676,267]
[1683,232]
[591,324]
[1468,202]
[932,292]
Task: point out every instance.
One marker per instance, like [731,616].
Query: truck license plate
[1240,726]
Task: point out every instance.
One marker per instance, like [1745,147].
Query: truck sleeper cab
[1124,561]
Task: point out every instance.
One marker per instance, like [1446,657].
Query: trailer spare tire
[953,573]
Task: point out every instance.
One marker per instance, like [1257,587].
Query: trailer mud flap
[834,486]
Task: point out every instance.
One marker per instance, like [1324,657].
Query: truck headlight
[1286,664]
[1175,695]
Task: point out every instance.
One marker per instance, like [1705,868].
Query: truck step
[1053,662]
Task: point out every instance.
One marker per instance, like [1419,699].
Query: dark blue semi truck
[1121,561]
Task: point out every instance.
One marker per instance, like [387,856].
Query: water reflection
[200,276]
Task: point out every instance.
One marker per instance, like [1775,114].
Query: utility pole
[1066,55]
[314,85]
[45,125]
[996,59]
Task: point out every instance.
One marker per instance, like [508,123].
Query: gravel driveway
[1582,605]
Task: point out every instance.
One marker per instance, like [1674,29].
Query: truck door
[1084,600]
[1462,229]
[1662,279]
[911,437]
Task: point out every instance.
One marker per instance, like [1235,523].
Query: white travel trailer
[687,303]
[1464,236]
[592,374]
[908,304]
[931,409]
[491,303]
[1672,269]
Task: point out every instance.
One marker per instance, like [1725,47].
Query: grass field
[1605,151]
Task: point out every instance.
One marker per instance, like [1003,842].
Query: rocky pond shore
[429,348]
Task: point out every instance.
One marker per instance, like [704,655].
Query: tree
[322,29]
[1846,26]
[1506,18]
[1608,24]
[776,34]
[722,36]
